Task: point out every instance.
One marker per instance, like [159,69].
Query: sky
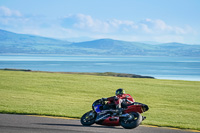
[152,21]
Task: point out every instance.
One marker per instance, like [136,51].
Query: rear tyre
[132,121]
[88,118]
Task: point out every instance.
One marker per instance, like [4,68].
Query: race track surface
[32,124]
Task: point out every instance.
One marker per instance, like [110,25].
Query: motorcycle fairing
[109,121]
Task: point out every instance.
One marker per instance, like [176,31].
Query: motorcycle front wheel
[132,121]
[88,118]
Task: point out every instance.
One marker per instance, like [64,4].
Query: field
[172,103]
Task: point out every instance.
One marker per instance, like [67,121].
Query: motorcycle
[129,116]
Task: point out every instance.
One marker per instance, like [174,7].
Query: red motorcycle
[129,116]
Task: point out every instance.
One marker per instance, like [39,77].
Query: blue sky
[128,20]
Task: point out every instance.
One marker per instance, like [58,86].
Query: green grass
[172,103]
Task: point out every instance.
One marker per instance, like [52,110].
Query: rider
[119,101]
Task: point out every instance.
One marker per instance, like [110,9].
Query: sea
[173,68]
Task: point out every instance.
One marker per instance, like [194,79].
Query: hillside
[12,43]
[21,43]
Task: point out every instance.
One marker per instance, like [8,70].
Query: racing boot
[143,117]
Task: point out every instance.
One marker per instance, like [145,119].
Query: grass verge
[173,103]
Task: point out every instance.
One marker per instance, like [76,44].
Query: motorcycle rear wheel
[88,118]
[132,121]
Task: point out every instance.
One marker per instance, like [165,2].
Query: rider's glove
[104,99]
[116,98]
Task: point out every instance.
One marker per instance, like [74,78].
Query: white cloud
[11,18]
[87,23]
[160,27]
[4,11]
[147,26]
[79,25]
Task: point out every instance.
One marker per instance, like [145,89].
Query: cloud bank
[6,12]
[79,25]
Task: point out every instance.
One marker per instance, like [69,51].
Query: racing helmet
[119,91]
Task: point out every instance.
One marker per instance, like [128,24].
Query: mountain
[116,47]
[11,38]
[179,49]
[113,47]
[79,39]
[21,43]
[13,43]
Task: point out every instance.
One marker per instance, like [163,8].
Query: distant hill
[116,47]
[11,38]
[28,44]
[113,47]
[13,43]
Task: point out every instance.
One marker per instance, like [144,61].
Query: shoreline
[113,74]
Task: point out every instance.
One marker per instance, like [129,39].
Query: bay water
[176,68]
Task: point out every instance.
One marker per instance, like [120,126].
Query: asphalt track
[33,124]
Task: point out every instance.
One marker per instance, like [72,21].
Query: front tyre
[132,121]
[88,118]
